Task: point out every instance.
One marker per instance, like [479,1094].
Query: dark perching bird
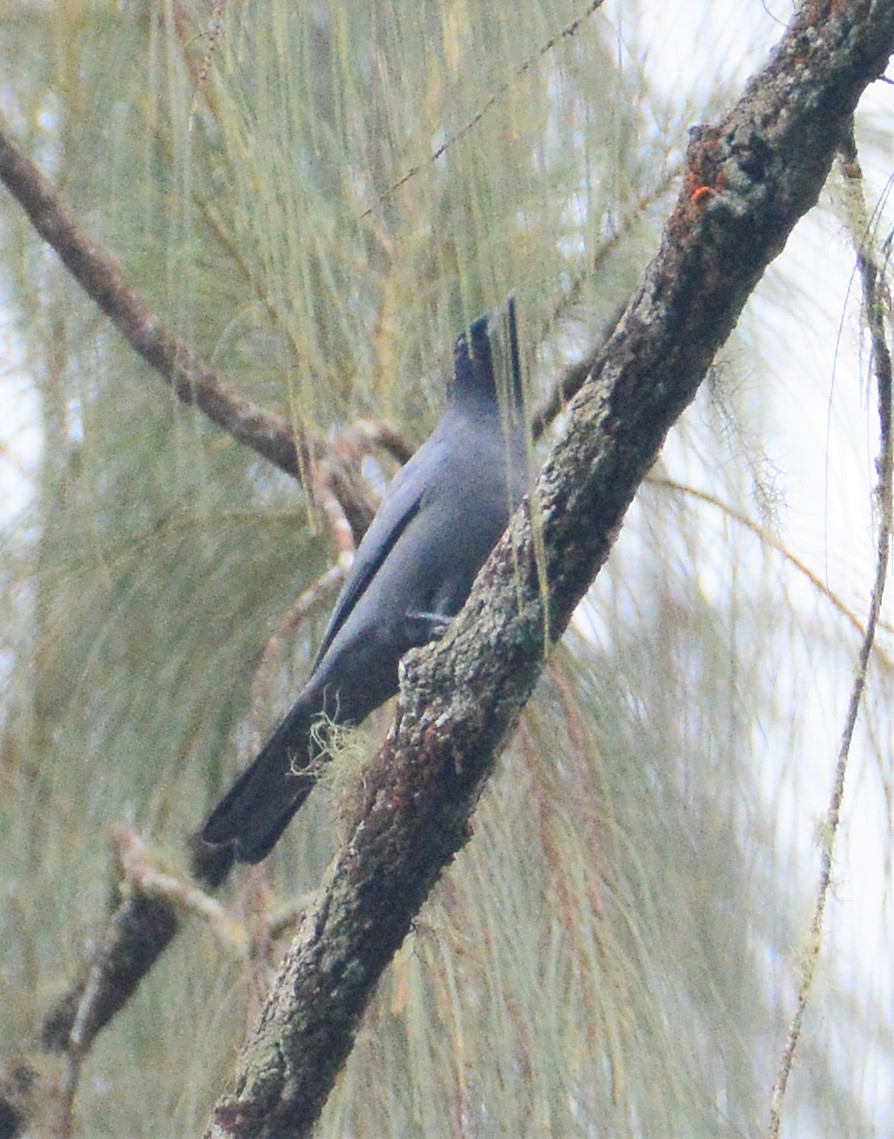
[439,520]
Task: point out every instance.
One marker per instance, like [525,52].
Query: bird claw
[425,627]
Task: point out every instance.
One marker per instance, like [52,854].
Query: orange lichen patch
[699,192]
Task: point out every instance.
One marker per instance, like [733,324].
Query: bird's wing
[401,503]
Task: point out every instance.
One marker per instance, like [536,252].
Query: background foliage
[615,951]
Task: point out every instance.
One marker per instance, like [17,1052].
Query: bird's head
[487,366]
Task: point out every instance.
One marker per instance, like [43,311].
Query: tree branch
[749,179]
[104,281]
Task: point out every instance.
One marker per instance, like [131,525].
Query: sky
[19,431]
[822,440]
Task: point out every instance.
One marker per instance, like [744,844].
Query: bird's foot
[425,627]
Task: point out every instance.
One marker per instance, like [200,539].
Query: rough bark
[749,179]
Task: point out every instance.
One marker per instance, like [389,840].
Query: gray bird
[440,518]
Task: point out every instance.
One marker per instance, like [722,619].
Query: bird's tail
[260,804]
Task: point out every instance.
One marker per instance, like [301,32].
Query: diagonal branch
[750,178]
[103,279]
[193,380]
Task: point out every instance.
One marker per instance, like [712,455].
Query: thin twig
[366,434]
[215,30]
[877,310]
[566,33]
[260,689]
[572,379]
[143,875]
[768,538]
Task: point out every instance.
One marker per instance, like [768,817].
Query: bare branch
[38,1082]
[143,875]
[104,281]
[365,434]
